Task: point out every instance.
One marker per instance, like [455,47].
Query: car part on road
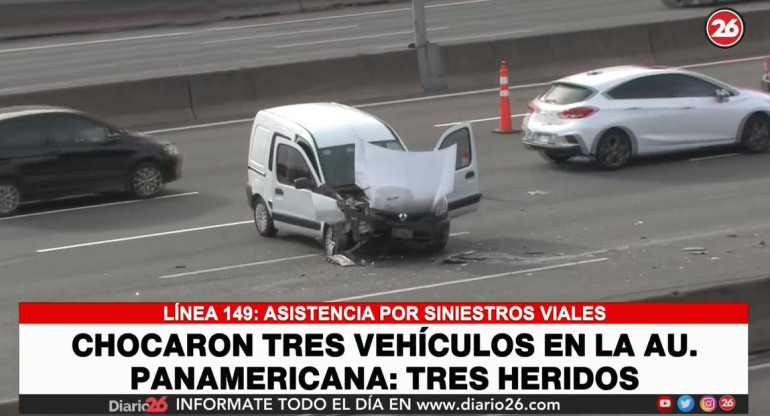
[341,260]
[146,180]
[10,198]
[262,219]
[755,137]
[614,150]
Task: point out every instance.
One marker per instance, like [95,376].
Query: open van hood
[404,182]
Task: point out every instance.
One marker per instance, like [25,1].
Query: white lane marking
[458,38]
[93,42]
[315,19]
[379,35]
[272,35]
[698,159]
[478,120]
[434,97]
[471,279]
[237,266]
[459,233]
[140,237]
[133,201]
[759,367]
[199,126]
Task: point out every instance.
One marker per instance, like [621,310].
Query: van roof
[333,124]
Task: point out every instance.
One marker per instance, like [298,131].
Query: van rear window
[563,94]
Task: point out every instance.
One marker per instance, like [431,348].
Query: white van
[344,177]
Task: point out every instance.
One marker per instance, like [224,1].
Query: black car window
[290,165]
[75,130]
[462,138]
[23,133]
[653,86]
[563,94]
[682,85]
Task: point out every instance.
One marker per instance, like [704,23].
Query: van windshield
[338,162]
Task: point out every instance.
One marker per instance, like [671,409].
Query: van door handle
[278,191]
[470,175]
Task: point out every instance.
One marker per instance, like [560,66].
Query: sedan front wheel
[755,137]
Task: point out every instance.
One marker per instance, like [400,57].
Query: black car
[49,152]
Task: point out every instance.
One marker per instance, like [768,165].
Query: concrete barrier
[24,18]
[353,79]
[134,103]
[754,292]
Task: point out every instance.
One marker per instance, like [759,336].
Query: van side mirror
[303,183]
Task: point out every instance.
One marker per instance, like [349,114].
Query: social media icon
[685,404]
[727,403]
[665,404]
[708,403]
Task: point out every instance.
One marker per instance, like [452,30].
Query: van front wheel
[263,220]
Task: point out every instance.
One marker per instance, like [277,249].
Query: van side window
[290,166]
[462,138]
[259,140]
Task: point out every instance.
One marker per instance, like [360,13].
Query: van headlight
[441,207]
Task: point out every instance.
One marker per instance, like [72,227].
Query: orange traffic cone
[505,102]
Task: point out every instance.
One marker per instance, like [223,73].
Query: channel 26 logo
[725,28]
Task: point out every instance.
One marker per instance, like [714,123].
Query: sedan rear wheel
[10,198]
[755,137]
[614,150]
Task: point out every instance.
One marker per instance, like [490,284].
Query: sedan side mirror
[303,183]
[722,95]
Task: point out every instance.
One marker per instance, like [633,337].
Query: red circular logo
[665,404]
[724,28]
[727,403]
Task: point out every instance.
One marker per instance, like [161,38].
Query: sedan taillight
[578,112]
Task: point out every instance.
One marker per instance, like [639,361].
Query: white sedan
[613,114]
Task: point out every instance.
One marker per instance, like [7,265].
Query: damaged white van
[344,177]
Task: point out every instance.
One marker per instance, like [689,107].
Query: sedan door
[293,209]
[26,156]
[88,155]
[466,195]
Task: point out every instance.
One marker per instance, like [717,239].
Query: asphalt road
[589,235]
[61,61]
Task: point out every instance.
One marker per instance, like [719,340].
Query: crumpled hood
[404,182]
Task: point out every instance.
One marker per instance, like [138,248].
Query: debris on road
[732,235]
[341,260]
[534,193]
[762,244]
[461,258]
[693,249]
[639,223]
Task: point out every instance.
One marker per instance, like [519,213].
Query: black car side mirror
[303,183]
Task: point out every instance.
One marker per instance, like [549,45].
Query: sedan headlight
[170,149]
[441,207]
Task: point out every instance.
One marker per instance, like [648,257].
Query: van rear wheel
[263,220]
[335,242]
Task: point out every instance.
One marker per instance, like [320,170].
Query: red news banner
[458,358]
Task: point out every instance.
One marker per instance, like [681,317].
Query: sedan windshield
[338,162]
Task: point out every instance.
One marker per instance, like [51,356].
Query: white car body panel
[655,125]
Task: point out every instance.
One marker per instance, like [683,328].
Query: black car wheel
[554,157]
[614,150]
[10,198]
[755,137]
[146,180]
[262,219]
